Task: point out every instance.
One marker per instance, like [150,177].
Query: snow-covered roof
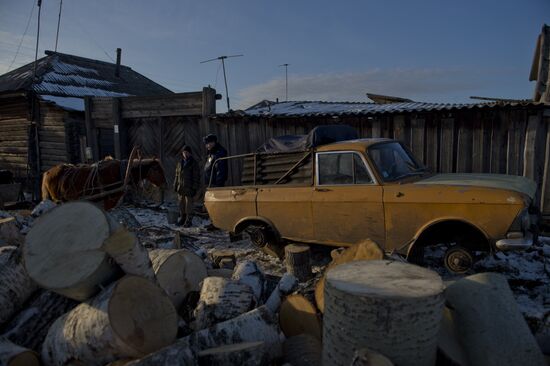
[67,103]
[316,108]
[73,76]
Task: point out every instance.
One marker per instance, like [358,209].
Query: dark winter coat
[188,177]
[220,169]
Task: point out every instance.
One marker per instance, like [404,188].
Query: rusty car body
[375,188]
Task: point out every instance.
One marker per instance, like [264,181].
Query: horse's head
[155,173]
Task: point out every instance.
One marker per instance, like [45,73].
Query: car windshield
[394,162]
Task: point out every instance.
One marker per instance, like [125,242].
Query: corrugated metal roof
[73,76]
[315,108]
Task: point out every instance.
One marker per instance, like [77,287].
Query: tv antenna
[286,81]
[222,58]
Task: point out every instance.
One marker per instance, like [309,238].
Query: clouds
[432,84]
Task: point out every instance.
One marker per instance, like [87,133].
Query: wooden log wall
[14,134]
[53,146]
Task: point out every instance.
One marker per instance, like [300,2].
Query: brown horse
[66,182]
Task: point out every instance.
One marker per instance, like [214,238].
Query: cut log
[258,325]
[298,261]
[365,250]
[302,350]
[227,263]
[220,300]
[16,286]
[390,307]
[129,319]
[178,272]
[219,254]
[63,251]
[285,286]
[489,324]
[30,326]
[448,342]
[220,272]
[367,357]
[243,354]
[9,232]
[249,273]
[298,316]
[124,247]
[14,355]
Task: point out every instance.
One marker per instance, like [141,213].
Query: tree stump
[178,272]
[14,355]
[29,327]
[258,325]
[298,261]
[488,323]
[69,251]
[242,354]
[302,350]
[390,307]
[129,319]
[220,300]
[16,286]
[249,273]
[298,316]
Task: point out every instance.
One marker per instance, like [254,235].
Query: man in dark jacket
[186,184]
[218,172]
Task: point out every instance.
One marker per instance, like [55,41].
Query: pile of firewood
[82,290]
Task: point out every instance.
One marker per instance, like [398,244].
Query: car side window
[342,168]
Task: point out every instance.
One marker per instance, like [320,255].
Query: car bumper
[515,244]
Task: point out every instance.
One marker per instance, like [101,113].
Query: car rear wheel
[458,259]
[264,238]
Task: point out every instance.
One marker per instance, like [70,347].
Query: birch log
[29,327]
[242,354]
[129,319]
[249,273]
[63,251]
[14,355]
[390,307]
[16,286]
[488,323]
[298,261]
[178,272]
[286,284]
[220,300]
[258,325]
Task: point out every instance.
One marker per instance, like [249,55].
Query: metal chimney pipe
[117,69]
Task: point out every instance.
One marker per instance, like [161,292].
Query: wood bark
[391,307]
[63,251]
[29,327]
[222,299]
[286,285]
[365,250]
[178,272]
[298,261]
[16,286]
[488,323]
[298,316]
[258,325]
[302,350]
[129,319]
[249,273]
[243,354]
[14,355]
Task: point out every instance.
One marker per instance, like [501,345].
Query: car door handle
[323,190]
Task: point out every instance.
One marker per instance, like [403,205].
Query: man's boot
[188,221]
[182,220]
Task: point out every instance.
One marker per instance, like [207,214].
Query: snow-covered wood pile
[87,287]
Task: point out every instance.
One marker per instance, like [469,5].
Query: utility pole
[58,23]
[222,58]
[37,39]
[286,81]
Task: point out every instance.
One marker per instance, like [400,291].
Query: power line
[58,23]
[23,37]
[222,58]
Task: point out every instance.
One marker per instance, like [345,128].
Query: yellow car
[341,193]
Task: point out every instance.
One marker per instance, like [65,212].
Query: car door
[227,205]
[347,202]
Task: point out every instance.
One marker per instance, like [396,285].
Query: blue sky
[427,50]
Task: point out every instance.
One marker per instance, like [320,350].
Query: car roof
[359,144]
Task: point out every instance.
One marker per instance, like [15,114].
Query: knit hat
[210,138]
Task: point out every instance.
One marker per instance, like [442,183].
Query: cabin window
[342,168]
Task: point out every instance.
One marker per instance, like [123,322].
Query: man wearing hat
[218,172]
[186,184]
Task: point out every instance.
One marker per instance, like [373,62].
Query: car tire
[264,238]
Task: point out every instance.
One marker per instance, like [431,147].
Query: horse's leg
[45,191]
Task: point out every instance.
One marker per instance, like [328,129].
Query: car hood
[499,181]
